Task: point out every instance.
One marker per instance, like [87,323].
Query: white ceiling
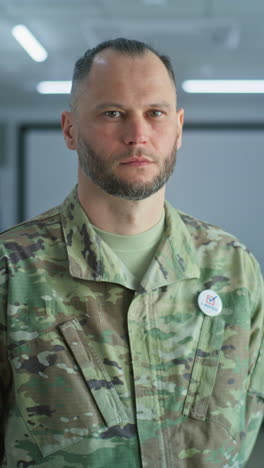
[205,39]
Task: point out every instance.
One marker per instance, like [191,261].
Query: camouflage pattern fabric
[97,374]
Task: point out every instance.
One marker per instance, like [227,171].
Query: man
[131,334]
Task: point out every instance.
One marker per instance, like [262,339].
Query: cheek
[105,135]
[100,139]
[107,141]
[164,139]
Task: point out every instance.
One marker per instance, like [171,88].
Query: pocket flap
[204,367]
[257,379]
[95,374]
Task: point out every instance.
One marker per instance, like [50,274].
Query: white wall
[13,118]
[8,184]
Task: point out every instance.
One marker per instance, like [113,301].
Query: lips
[137,161]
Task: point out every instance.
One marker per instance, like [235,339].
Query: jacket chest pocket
[63,389]
[210,394]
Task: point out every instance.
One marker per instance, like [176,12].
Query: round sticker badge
[210,303]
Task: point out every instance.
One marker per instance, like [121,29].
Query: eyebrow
[108,104]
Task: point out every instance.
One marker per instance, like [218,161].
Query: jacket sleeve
[5,373]
[255,392]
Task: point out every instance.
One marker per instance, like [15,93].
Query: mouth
[138,161]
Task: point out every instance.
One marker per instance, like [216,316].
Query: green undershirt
[136,251]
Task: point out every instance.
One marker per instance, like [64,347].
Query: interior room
[216,48]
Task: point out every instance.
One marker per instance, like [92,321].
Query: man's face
[125,128]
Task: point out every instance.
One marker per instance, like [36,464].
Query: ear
[180,121]
[68,129]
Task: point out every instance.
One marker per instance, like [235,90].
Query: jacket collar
[90,258]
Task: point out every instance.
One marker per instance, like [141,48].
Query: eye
[155,113]
[113,114]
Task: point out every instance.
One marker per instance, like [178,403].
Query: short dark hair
[130,47]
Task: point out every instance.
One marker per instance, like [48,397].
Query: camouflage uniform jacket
[97,374]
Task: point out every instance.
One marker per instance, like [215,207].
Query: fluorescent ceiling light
[54,87]
[224,86]
[29,43]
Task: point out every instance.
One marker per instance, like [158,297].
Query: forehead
[110,59]
[114,75]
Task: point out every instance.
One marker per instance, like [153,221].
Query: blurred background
[219,172]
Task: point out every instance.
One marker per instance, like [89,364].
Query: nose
[135,131]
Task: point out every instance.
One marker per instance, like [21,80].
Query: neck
[116,215]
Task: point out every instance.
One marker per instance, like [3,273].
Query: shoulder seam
[29,221]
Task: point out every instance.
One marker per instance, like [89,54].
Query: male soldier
[131,333]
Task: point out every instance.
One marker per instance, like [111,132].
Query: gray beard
[101,175]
